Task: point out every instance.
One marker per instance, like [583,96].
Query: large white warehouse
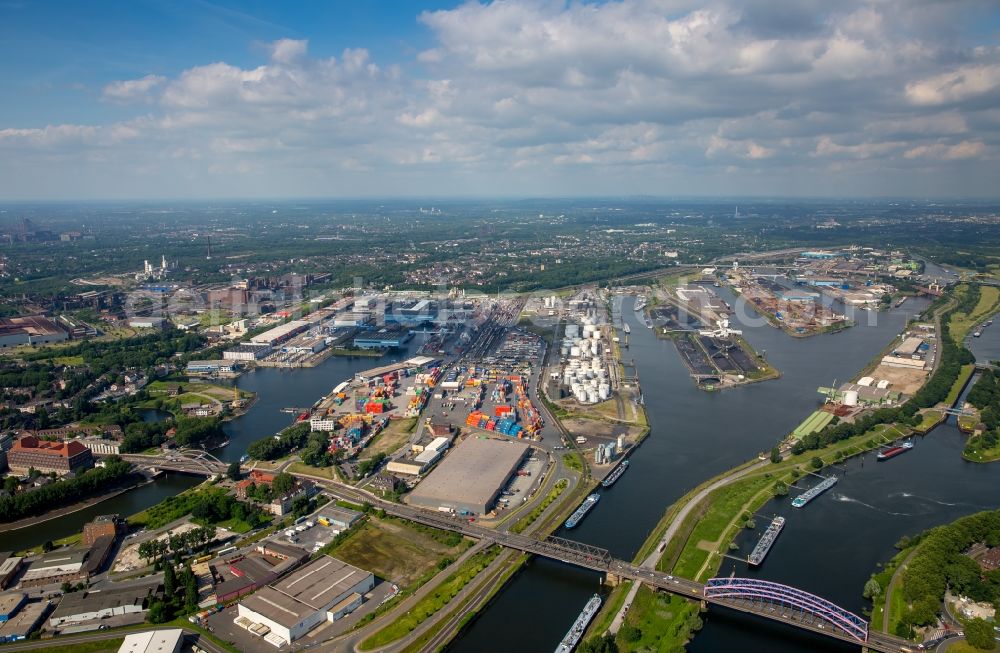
[324,590]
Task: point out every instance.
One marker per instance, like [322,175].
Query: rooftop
[473,471]
[30,443]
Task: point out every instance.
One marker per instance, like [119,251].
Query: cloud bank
[524,97]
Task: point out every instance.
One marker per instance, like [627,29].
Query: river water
[829,548]
[276,389]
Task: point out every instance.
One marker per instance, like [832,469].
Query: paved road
[671,532]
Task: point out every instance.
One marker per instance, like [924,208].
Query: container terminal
[814,492]
[584,508]
[615,474]
[766,541]
[572,638]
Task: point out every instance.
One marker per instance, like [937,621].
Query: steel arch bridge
[765,592]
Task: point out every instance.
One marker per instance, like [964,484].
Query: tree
[816,462]
[872,589]
[169,580]
[234,472]
[157,612]
[190,590]
[282,484]
[979,633]
[605,644]
[776,455]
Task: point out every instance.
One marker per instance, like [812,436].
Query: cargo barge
[626,328]
[892,452]
[615,474]
[584,508]
[766,542]
[814,492]
[572,638]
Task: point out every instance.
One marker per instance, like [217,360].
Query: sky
[201,99]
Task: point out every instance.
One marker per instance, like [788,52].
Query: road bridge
[773,601]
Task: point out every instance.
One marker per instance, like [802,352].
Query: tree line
[65,492]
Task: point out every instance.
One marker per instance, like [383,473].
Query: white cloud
[133,89]
[541,96]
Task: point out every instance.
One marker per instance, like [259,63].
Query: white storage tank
[604,391]
[574,352]
[851,398]
[621,443]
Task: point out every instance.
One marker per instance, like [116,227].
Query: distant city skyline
[519,98]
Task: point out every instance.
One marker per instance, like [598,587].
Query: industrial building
[9,566]
[81,607]
[247,352]
[60,457]
[280,333]
[10,603]
[471,477]
[29,330]
[24,622]
[384,338]
[154,641]
[211,367]
[239,575]
[339,518]
[100,446]
[148,323]
[324,590]
[56,567]
[103,526]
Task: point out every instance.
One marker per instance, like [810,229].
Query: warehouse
[324,590]
[10,603]
[246,352]
[280,333]
[908,347]
[24,622]
[170,640]
[211,367]
[471,477]
[81,607]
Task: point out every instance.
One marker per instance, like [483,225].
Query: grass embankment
[97,646]
[167,510]
[884,580]
[309,470]
[434,601]
[395,549]
[496,582]
[928,420]
[658,622]
[530,518]
[989,303]
[977,453]
[956,388]
[964,647]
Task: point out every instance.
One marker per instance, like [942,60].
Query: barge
[584,508]
[766,542]
[814,492]
[572,638]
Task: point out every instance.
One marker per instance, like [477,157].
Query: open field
[394,436]
[989,303]
[394,550]
[434,601]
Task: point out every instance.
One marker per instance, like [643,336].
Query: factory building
[471,477]
[280,333]
[24,622]
[211,367]
[170,640]
[103,526]
[81,607]
[384,338]
[30,330]
[56,567]
[247,352]
[324,590]
[60,457]
[148,323]
[102,447]
[10,603]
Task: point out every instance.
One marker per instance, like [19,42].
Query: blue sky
[197,99]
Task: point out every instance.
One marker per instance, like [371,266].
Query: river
[829,548]
[276,388]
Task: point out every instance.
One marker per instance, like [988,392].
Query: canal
[829,548]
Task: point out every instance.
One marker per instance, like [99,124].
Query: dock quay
[766,541]
[814,491]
